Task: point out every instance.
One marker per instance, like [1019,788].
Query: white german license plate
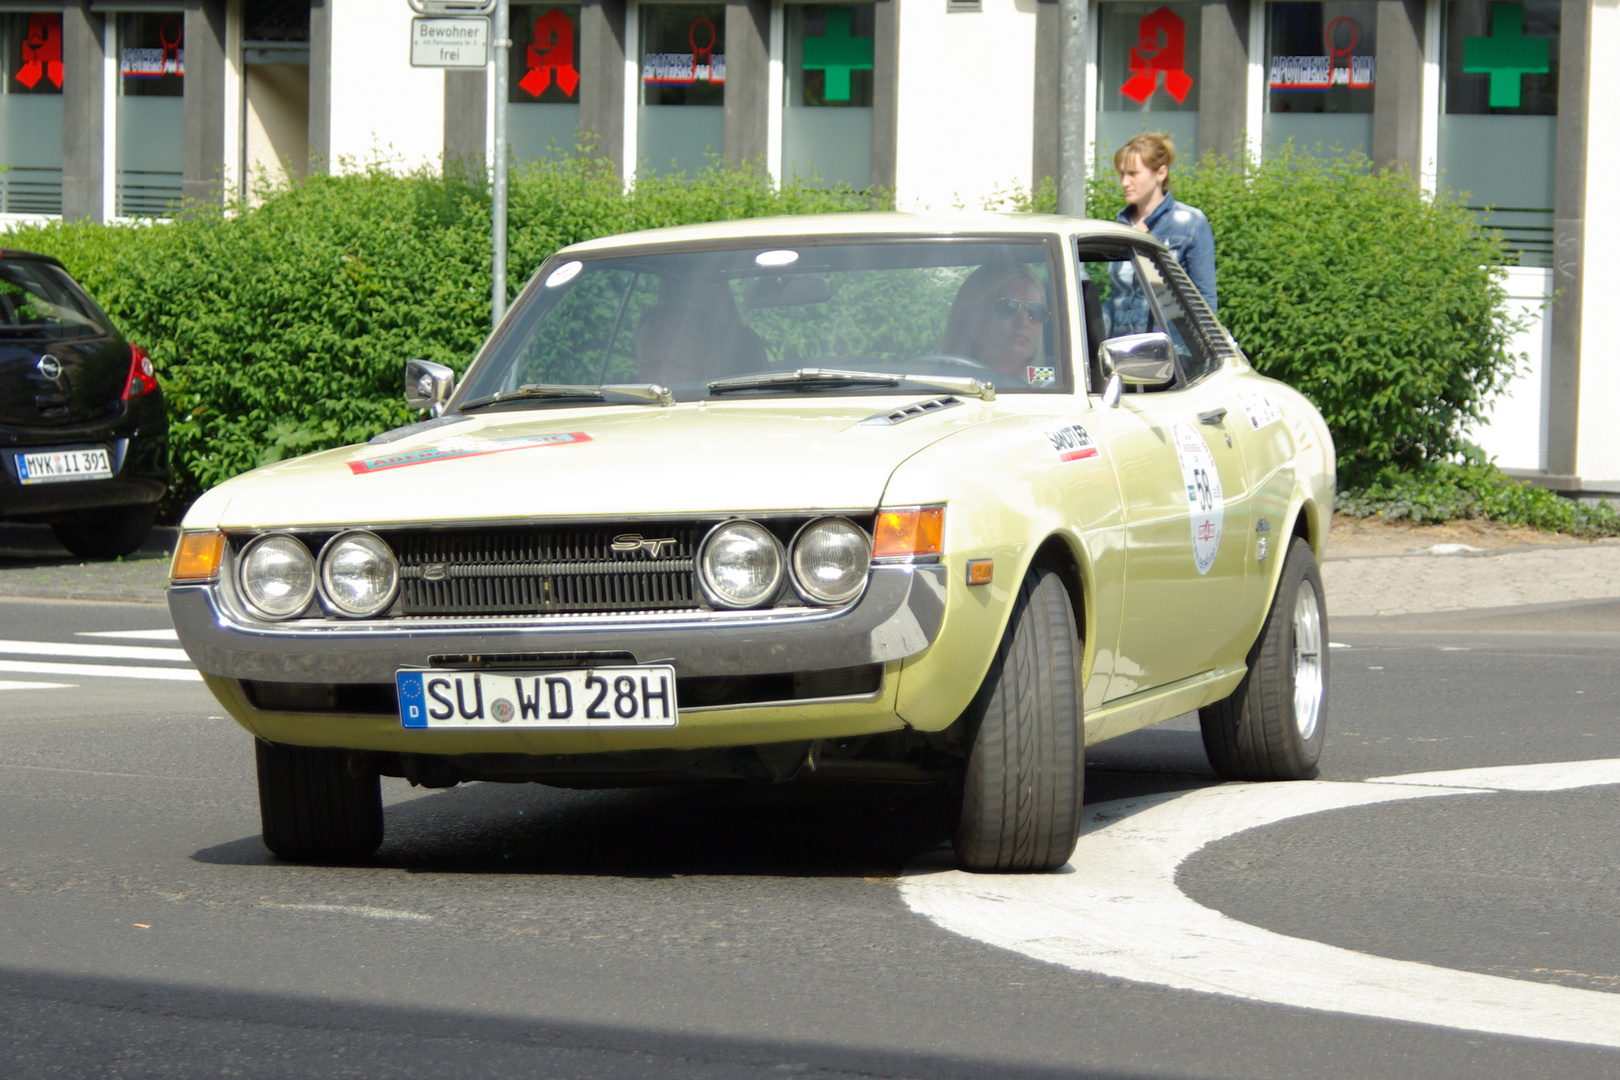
[59,466]
[608,697]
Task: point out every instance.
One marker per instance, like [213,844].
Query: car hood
[615,461]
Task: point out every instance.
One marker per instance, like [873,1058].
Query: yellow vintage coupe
[884,496]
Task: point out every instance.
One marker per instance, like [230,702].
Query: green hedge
[1380,304]
[282,329]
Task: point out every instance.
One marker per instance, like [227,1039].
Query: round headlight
[741,565]
[277,576]
[358,574]
[830,559]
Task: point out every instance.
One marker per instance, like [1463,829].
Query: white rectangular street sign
[450,43]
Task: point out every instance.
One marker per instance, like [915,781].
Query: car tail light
[142,380]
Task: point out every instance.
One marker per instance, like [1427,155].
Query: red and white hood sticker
[460,448]
[1073,443]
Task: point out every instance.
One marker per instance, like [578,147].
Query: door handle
[1213,417]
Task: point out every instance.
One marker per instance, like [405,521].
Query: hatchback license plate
[61,466]
[611,697]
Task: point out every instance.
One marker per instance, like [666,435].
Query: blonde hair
[977,290]
[1153,148]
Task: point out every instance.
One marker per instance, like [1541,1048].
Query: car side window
[1158,271]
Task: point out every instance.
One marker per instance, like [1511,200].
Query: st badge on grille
[636,542]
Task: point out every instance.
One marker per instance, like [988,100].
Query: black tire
[318,806]
[1022,786]
[106,534]
[1263,732]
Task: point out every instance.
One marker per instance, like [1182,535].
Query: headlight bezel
[805,591]
[244,561]
[712,592]
[324,581]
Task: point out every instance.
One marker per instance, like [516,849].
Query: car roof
[870,224]
[18,253]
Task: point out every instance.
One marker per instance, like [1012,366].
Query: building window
[151,87]
[1320,74]
[827,95]
[31,113]
[544,88]
[275,92]
[1499,117]
[1147,61]
[680,121]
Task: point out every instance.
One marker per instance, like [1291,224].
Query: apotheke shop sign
[450,43]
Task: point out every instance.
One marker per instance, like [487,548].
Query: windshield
[686,319]
[39,300]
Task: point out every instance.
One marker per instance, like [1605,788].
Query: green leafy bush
[1377,302]
[1447,491]
[280,329]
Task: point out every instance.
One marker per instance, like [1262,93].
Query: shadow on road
[783,830]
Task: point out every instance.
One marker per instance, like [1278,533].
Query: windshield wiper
[812,378]
[651,392]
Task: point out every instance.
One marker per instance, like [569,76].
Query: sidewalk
[33,564]
[1377,577]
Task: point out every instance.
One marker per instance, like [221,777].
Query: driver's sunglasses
[1037,310]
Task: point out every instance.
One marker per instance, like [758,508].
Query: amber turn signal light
[909,533]
[980,571]
[197,556]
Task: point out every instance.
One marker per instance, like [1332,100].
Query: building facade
[122,108]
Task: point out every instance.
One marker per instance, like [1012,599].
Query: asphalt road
[720,932]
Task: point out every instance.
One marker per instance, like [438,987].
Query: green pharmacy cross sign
[837,54]
[1506,55]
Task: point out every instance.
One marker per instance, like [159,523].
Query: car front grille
[550,570]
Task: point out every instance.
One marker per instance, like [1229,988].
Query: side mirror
[1139,360]
[428,385]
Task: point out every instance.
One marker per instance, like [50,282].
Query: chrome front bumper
[897,617]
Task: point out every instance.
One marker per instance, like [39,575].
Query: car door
[1184,484]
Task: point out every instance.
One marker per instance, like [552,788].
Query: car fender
[1008,498]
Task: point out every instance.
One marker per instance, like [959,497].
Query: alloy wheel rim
[1308,680]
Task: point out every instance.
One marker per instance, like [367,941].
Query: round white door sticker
[1206,504]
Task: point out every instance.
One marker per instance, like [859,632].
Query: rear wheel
[1273,725]
[318,805]
[1022,786]
[106,534]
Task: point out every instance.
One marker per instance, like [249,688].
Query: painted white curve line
[1550,776]
[134,635]
[1116,911]
[117,671]
[65,650]
[7,685]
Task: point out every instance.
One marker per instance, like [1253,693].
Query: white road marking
[5,685]
[134,635]
[101,652]
[357,909]
[1116,911]
[1337,645]
[1550,776]
[31,667]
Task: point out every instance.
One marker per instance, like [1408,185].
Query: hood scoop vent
[911,412]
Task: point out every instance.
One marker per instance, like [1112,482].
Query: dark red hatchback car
[83,432]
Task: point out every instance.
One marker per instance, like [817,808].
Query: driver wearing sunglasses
[998,319]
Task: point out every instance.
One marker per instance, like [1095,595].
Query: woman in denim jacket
[1143,165]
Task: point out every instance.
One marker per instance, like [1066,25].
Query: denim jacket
[1185,231]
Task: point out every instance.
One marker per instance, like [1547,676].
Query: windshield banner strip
[463,448]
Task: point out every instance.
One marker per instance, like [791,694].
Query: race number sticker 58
[1206,504]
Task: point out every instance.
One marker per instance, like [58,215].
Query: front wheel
[1273,725]
[1022,787]
[318,805]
